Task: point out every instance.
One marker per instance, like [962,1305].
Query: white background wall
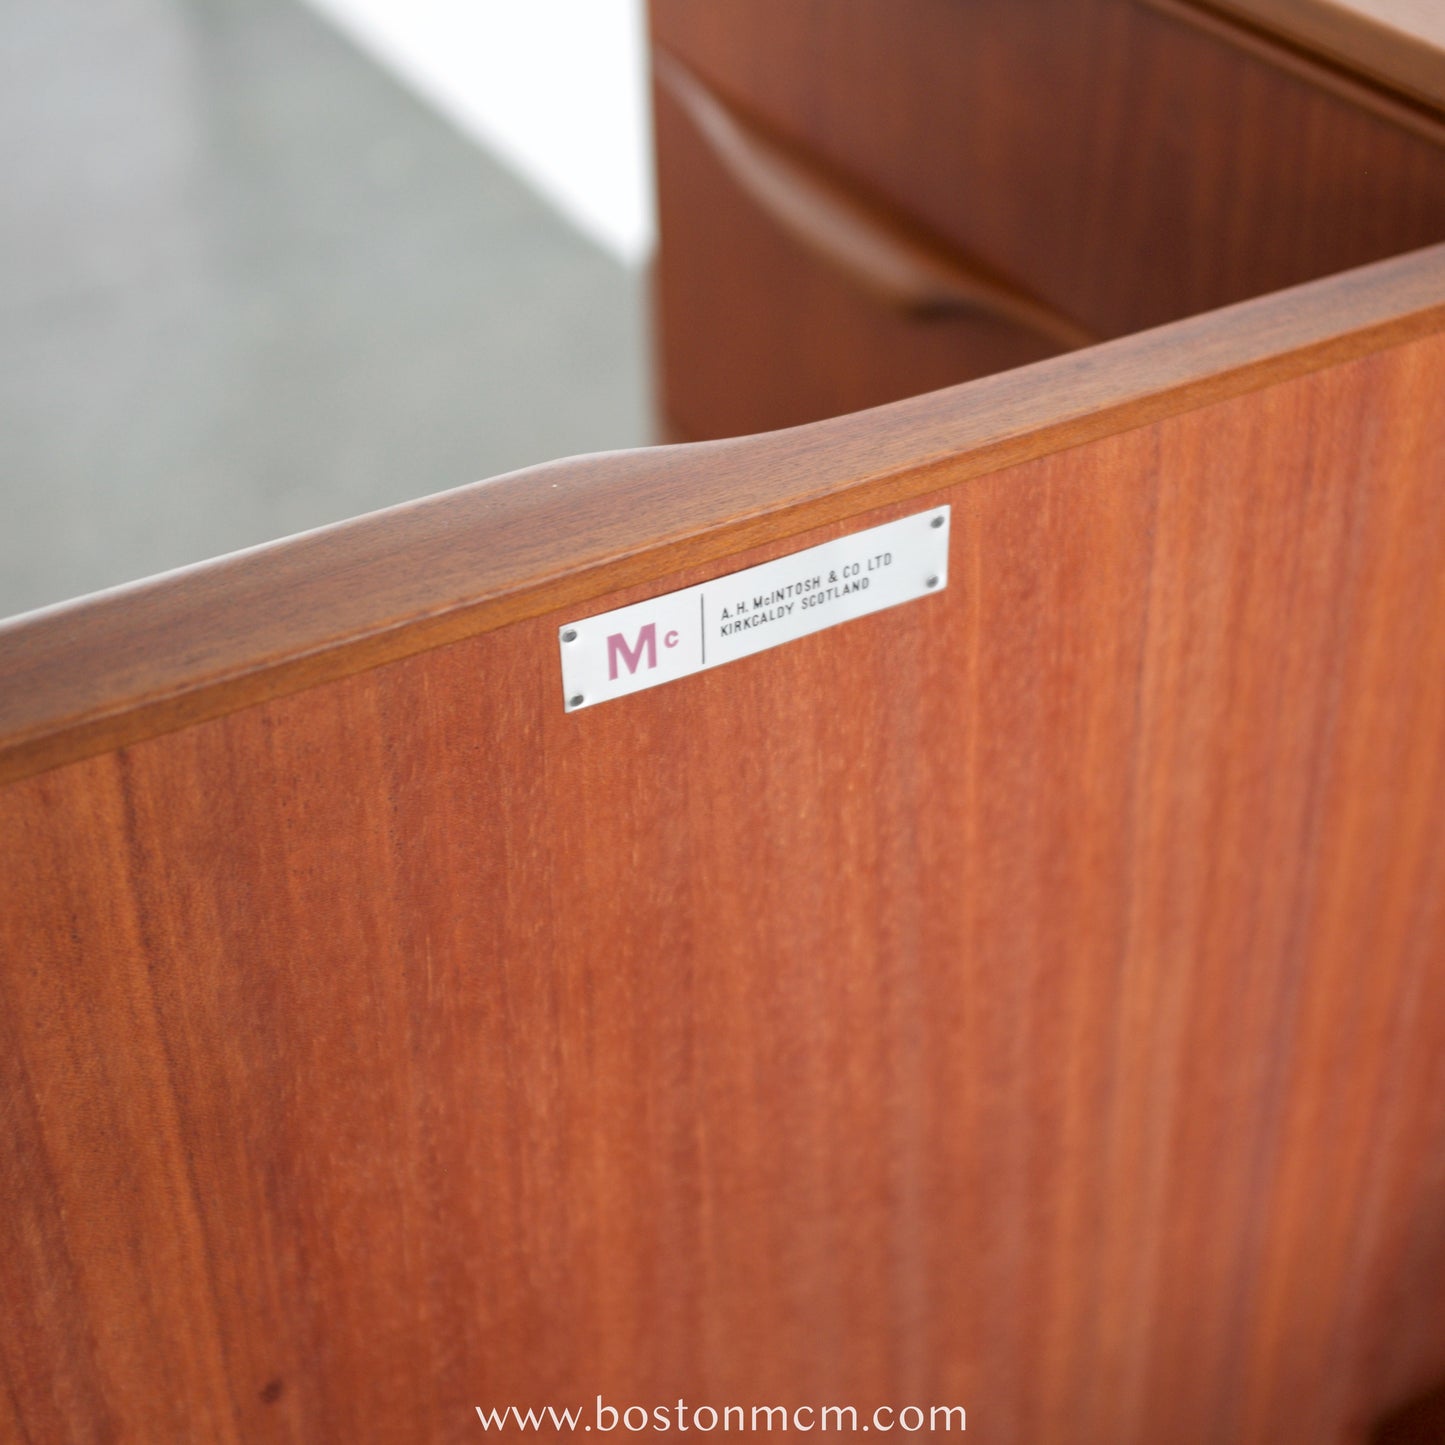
[556,89]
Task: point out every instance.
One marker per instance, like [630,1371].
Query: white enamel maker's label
[731,617]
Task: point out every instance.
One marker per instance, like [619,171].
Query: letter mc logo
[617,648]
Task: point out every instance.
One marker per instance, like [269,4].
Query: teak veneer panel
[1030,998]
[1126,166]
[756,332]
[94,674]
[1400,43]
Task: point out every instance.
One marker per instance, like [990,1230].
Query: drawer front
[1123,162]
[759,327]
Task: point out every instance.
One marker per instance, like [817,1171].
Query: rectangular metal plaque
[680,633]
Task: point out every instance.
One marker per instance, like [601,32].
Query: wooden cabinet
[1029,997]
[1122,163]
[757,332]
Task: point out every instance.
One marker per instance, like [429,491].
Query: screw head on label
[936,522]
[569,635]
[932,582]
[576,701]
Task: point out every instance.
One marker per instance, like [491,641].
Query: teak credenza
[1030,997]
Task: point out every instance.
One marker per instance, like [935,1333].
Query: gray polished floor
[248,286]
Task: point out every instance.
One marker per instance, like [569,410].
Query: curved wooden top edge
[1397,43]
[95,674]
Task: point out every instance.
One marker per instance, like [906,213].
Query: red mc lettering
[617,647]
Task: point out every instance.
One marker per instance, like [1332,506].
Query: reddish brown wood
[886,260]
[108,670]
[1420,1422]
[758,333]
[1400,43]
[1351,79]
[1122,165]
[1030,998]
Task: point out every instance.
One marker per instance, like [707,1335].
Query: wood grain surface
[88,676]
[1400,43]
[883,258]
[757,331]
[1122,163]
[1030,998]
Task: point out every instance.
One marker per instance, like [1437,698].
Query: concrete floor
[248,286]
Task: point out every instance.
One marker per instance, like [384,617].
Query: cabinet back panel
[1030,998]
